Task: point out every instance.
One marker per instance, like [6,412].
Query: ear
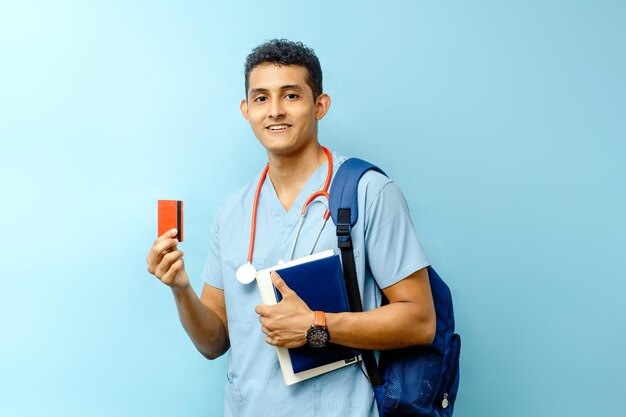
[243,106]
[322,104]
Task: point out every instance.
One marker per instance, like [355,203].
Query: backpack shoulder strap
[343,203]
[343,191]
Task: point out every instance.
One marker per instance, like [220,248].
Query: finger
[169,234]
[281,285]
[170,275]
[262,310]
[265,322]
[265,330]
[160,249]
[270,341]
[167,245]
[167,262]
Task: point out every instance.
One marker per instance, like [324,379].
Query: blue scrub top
[386,251]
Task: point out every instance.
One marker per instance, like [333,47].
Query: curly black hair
[285,52]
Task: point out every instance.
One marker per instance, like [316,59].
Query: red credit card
[171,217]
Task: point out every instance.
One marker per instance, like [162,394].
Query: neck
[289,173]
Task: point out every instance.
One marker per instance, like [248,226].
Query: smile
[278,128]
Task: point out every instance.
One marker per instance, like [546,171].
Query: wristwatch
[317,336]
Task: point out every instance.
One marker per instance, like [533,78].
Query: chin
[283,146]
[281,150]
[279,147]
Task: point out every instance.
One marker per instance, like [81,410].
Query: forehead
[270,76]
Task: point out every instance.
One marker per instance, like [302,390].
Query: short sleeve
[212,270]
[393,251]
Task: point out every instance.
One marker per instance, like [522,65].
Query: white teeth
[279,127]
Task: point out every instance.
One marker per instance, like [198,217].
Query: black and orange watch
[317,336]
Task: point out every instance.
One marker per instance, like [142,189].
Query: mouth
[278,127]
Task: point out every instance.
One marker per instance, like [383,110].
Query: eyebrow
[282,88]
[292,87]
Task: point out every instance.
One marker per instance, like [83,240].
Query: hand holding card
[165,260]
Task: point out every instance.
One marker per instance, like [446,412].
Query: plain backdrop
[502,122]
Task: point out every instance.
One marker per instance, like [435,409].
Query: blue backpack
[416,381]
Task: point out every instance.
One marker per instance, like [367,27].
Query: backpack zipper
[445,403]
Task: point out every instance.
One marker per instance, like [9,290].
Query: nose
[276,110]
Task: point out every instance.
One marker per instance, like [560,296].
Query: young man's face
[281,109]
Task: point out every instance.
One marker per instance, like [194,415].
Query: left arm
[408,319]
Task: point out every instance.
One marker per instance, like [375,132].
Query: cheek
[256,120]
[307,119]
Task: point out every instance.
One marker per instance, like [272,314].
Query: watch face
[317,337]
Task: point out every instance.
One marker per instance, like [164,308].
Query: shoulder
[371,184]
[380,198]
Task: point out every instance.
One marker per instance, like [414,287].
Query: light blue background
[503,122]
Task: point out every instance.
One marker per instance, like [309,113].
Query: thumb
[281,285]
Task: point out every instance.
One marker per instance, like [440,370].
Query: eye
[261,99]
[292,96]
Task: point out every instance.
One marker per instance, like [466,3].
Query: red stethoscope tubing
[322,193]
[254,207]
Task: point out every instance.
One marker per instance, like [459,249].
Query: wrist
[336,326]
[318,336]
[181,289]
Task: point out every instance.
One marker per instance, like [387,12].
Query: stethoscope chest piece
[246,273]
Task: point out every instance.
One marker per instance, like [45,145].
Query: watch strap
[320,319]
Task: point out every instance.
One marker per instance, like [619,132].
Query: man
[284,103]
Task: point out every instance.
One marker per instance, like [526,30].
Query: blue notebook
[321,286]
[318,280]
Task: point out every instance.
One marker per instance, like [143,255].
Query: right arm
[204,318]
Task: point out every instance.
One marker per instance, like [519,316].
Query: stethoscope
[247,272]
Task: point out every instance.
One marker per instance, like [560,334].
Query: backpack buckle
[343,235]
[343,230]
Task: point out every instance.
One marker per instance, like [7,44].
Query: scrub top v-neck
[285,222]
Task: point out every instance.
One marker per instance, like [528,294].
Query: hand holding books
[287,322]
